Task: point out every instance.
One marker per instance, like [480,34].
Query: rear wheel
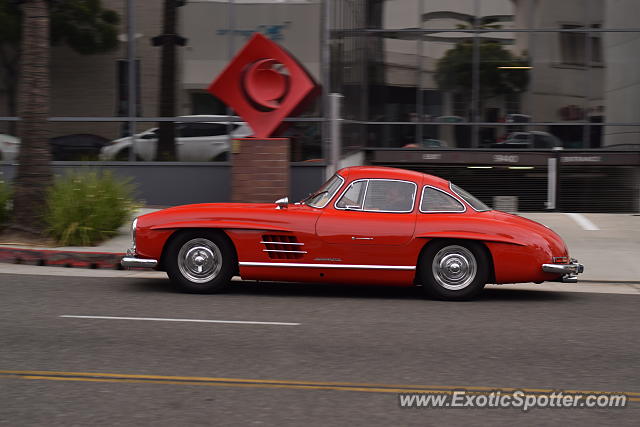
[454,270]
[200,261]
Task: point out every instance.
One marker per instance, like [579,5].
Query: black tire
[454,269]
[200,261]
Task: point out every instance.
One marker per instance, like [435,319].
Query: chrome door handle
[361,238]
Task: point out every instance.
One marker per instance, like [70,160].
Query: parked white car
[9,147]
[195,141]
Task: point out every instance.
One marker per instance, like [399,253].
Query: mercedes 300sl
[365,225]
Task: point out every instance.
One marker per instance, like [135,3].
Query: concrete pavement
[607,244]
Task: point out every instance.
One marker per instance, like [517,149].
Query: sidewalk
[607,244]
[106,255]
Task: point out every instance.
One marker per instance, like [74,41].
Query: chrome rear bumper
[569,271]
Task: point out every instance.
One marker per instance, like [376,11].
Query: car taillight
[560,259]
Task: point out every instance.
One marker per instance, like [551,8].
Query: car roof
[382,172]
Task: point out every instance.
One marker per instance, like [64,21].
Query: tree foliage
[84,25]
[454,71]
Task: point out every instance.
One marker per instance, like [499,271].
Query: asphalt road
[306,367]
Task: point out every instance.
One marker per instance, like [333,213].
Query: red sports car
[366,225]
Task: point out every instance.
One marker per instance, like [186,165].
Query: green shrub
[85,208]
[5,207]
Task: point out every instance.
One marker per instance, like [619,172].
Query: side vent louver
[282,246]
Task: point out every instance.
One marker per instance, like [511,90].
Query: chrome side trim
[283,251]
[283,243]
[347,266]
[130,261]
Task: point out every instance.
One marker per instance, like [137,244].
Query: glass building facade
[471,73]
[456,75]
[425,73]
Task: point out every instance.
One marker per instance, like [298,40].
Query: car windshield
[320,198]
[467,197]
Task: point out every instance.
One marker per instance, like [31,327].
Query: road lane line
[265,383]
[582,221]
[160,319]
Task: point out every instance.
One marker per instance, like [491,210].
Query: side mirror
[282,203]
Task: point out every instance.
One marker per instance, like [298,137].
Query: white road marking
[582,221]
[160,319]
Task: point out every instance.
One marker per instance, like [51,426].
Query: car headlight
[134,225]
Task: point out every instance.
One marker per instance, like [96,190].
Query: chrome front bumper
[569,271]
[131,261]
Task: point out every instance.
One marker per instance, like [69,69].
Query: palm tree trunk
[34,170]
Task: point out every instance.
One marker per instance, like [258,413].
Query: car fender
[467,235]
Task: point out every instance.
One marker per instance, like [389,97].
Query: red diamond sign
[264,84]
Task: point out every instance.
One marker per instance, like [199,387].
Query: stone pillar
[259,170]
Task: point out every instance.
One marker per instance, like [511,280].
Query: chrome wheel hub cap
[200,260]
[454,267]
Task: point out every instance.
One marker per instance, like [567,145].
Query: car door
[201,141]
[370,218]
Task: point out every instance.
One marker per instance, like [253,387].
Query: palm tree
[34,170]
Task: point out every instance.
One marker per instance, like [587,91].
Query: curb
[56,258]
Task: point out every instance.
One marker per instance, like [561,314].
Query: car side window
[354,196]
[389,196]
[436,200]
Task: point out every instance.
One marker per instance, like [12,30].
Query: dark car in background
[79,146]
[531,139]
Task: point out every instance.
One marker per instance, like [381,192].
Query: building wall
[293,25]
[622,78]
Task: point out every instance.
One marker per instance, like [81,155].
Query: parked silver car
[195,141]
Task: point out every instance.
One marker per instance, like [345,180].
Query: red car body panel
[349,246]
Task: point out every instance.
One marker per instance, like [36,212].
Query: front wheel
[200,262]
[454,270]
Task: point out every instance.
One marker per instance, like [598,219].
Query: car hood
[225,215]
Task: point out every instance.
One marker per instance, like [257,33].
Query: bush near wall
[5,207]
[87,207]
